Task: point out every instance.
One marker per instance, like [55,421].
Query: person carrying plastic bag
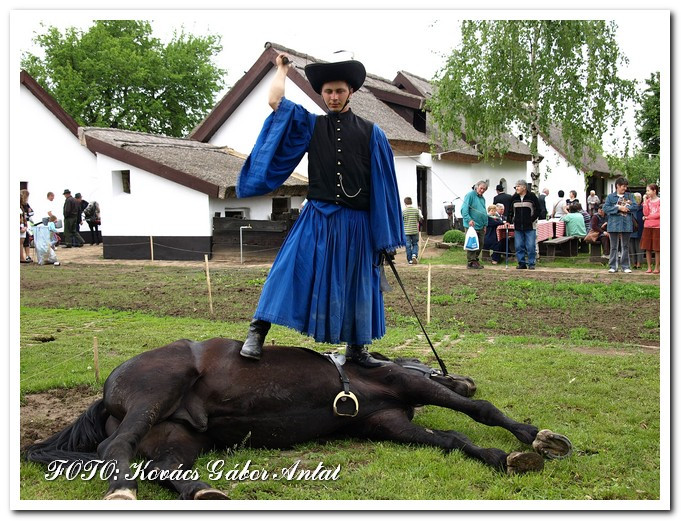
[474,213]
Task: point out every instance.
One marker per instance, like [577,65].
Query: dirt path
[94,255]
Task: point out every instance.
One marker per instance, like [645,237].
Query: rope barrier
[52,367]
[262,250]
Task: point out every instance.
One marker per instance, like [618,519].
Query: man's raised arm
[278,83]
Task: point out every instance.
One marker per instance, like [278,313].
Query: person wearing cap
[524,214]
[82,205]
[71,220]
[326,279]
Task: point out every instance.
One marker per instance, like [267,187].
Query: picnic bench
[566,246]
[595,254]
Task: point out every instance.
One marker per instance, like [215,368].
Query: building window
[121,181]
[502,182]
[280,205]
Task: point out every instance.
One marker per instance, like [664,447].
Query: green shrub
[454,236]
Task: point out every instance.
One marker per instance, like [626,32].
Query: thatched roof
[597,164]
[414,84]
[365,102]
[203,167]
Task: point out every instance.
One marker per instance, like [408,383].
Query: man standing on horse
[325,281]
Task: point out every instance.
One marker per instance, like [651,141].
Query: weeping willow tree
[529,76]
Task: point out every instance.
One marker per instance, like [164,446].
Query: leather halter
[346,396]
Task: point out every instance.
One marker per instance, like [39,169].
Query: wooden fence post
[210,295]
[428,296]
[95,347]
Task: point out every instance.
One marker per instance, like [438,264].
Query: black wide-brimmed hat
[351,71]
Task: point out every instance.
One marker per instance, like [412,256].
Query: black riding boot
[360,355]
[257,332]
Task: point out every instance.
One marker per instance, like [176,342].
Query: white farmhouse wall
[405,172]
[154,207]
[242,128]
[507,173]
[257,208]
[47,156]
[558,174]
[253,207]
[449,182]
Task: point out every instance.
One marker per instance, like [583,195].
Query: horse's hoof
[521,462]
[210,493]
[122,493]
[552,445]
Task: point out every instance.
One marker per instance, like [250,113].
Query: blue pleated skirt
[325,282]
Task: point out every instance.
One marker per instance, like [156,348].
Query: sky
[385,40]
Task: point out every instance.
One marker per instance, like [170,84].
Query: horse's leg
[141,396]
[122,445]
[173,448]
[426,392]
[394,425]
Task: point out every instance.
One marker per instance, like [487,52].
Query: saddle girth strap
[338,360]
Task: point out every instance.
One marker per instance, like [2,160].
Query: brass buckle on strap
[346,398]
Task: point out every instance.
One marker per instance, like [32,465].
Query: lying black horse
[173,403]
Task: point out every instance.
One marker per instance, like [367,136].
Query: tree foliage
[648,116]
[643,165]
[117,75]
[532,76]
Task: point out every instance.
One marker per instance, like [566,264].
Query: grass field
[569,350]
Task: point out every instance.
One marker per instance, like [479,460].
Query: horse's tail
[78,441]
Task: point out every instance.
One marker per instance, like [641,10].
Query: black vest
[339,160]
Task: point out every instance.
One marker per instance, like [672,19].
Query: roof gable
[413,84]
[368,102]
[50,103]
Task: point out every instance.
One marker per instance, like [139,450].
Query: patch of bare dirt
[44,414]
[95,255]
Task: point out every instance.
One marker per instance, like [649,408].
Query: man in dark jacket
[503,198]
[82,205]
[71,221]
[524,213]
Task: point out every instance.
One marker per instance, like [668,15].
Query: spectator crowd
[625,225]
[52,225]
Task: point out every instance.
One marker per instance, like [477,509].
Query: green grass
[538,294]
[537,358]
[594,399]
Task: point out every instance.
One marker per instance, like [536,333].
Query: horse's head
[462,385]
